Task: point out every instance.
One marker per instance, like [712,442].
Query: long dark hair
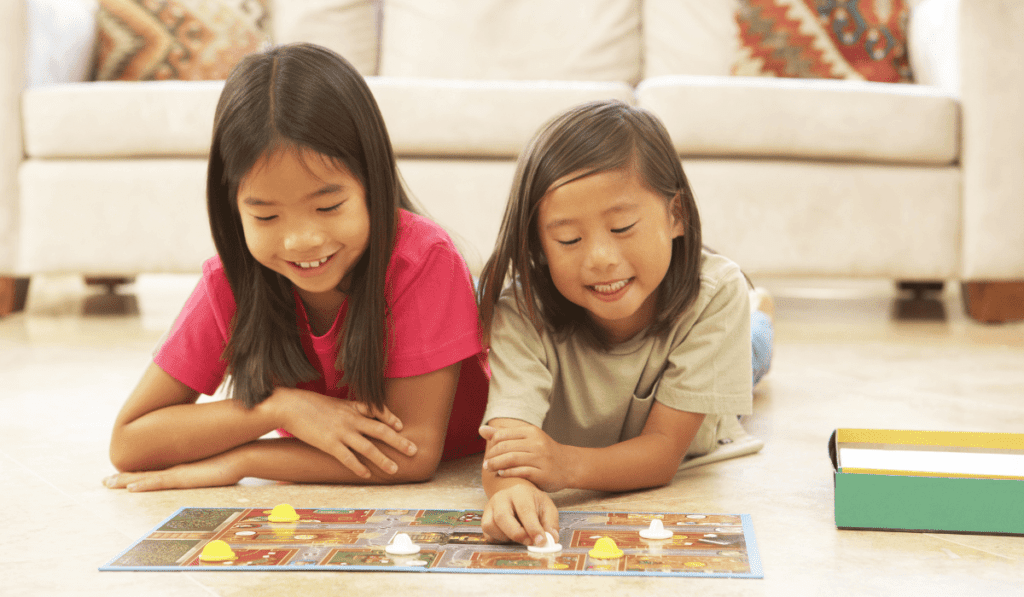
[589,139]
[301,96]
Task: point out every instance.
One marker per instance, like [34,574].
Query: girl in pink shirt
[332,312]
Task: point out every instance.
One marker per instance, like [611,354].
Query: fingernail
[411,450]
[485,466]
[110,481]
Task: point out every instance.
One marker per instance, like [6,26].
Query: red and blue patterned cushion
[824,39]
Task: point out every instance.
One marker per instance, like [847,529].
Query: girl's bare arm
[648,460]
[419,406]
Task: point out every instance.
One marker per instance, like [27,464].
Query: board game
[705,545]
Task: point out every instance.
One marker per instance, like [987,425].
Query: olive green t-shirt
[582,395]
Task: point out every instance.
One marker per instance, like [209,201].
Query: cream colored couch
[793,177]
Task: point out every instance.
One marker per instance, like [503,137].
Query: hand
[521,513]
[526,452]
[217,471]
[342,428]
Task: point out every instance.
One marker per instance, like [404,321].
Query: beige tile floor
[842,360]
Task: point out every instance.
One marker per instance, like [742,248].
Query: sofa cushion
[818,119]
[597,40]
[349,27]
[120,119]
[449,118]
[689,37]
[859,39]
[176,39]
[175,118]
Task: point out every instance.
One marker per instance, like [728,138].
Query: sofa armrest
[992,94]
[12,80]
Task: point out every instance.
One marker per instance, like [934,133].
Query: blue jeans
[761,344]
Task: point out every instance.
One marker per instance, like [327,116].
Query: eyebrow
[327,189]
[617,208]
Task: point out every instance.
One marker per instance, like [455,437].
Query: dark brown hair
[303,97]
[589,139]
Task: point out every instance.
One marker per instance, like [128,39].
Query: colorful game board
[706,545]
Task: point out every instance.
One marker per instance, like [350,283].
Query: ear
[675,212]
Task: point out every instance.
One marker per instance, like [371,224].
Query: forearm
[494,483]
[644,461]
[289,459]
[186,433]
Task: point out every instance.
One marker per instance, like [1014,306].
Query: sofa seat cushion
[806,118]
[175,118]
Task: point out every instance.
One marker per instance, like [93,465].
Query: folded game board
[706,545]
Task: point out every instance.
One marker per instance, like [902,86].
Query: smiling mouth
[311,264]
[611,288]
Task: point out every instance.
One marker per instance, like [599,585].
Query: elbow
[418,469]
[123,455]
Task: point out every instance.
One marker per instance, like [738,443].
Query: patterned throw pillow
[144,40]
[824,39]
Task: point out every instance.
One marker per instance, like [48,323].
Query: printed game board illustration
[284,538]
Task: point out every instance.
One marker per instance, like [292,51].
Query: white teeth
[309,264]
[610,288]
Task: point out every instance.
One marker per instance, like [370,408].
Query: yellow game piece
[283,513]
[217,551]
[605,549]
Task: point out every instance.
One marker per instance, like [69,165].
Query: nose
[303,237]
[602,254]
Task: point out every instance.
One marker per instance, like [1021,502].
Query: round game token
[402,545]
[549,546]
[656,531]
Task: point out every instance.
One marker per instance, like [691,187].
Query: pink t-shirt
[434,325]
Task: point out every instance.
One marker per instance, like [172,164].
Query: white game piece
[402,545]
[656,531]
[549,546]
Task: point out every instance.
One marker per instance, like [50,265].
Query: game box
[959,482]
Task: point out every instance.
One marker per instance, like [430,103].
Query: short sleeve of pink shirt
[433,324]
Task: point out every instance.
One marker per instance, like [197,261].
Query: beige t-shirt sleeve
[708,371]
[522,369]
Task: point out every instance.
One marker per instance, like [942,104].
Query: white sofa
[793,177]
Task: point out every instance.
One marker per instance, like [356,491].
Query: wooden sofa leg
[994,302]
[13,294]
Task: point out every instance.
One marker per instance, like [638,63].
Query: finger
[509,526]
[347,459]
[487,432]
[507,461]
[492,532]
[381,414]
[549,517]
[389,436]
[520,472]
[389,418]
[526,512]
[115,481]
[149,482]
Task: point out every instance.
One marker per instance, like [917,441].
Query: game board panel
[706,545]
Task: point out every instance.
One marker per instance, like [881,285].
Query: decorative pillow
[824,39]
[142,40]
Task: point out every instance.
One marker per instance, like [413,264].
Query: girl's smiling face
[304,216]
[608,242]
